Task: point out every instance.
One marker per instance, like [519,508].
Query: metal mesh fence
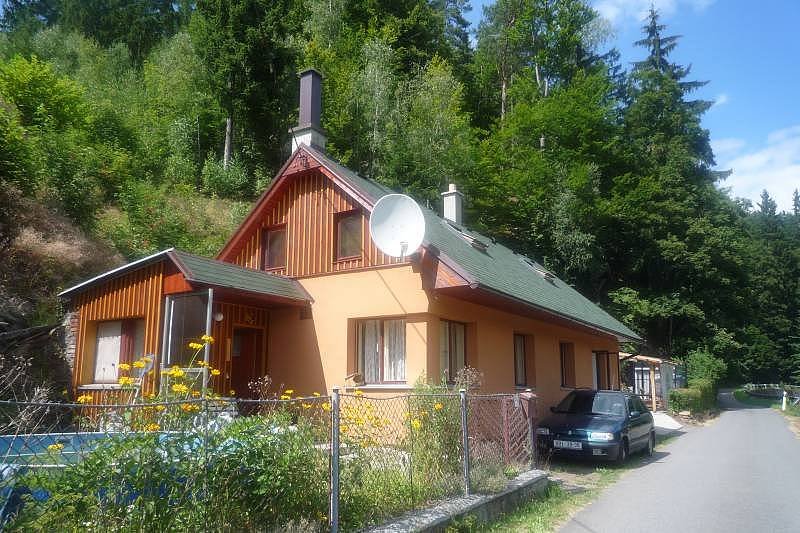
[250,465]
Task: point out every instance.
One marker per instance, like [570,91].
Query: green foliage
[701,365]
[231,182]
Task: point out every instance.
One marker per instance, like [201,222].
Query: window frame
[337,221]
[265,247]
[562,355]
[127,344]
[360,364]
[524,382]
[451,376]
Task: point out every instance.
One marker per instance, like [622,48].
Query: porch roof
[213,273]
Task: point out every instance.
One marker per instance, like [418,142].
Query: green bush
[259,473]
[702,365]
[687,399]
[232,182]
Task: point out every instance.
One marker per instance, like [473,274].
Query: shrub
[686,399]
[232,182]
[702,365]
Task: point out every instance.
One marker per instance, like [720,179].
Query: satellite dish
[397,225]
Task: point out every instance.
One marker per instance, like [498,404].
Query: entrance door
[246,354]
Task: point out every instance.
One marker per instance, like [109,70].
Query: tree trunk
[226,156]
[503,84]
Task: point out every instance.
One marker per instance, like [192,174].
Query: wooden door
[246,353]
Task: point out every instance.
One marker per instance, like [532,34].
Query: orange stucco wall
[318,353]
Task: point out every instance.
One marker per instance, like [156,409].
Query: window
[186,322]
[567,364]
[274,242]
[452,348]
[520,373]
[382,350]
[118,341]
[348,235]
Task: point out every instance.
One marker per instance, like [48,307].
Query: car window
[633,405]
[592,403]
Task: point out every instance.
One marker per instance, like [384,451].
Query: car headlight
[603,436]
[542,431]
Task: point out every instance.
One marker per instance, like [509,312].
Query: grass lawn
[742,396]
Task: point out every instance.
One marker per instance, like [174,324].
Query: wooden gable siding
[234,315]
[307,208]
[137,294]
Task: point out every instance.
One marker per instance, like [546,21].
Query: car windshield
[589,402]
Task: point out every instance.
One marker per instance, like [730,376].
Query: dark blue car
[601,424]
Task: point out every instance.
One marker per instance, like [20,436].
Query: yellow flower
[138,364]
[55,448]
[195,345]
[202,364]
[146,358]
[215,372]
[189,407]
[85,398]
[326,406]
[160,408]
[125,381]
[438,406]
[359,393]
[285,397]
[152,427]
[152,395]
[416,424]
[307,405]
[289,391]
[207,338]
[180,388]
[231,392]
[195,394]
[423,413]
[124,367]
[315,394]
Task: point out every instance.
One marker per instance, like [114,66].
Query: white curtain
[368,349]
[394,350]
[444,350]
[109,337]
[458,345]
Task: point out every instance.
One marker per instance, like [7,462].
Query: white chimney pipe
[453,201]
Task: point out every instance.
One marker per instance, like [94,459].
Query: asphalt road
[741,473]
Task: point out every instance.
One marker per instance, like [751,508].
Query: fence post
[531,426]
[783,402]
[334,482]
[465,437]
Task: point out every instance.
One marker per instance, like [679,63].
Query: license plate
[568,444]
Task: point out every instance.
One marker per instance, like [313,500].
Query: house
[301,293]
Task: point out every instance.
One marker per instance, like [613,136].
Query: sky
[748,52]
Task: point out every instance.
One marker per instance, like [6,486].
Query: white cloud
[721,99]
[774,167]
[618,11]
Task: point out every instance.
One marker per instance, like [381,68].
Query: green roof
[220,274]
[496,267]
[211,272]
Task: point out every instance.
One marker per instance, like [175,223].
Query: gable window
[348,235]
[452,348]
[382,350]
[520,370]
[567,364]
[274,242]
[118,341]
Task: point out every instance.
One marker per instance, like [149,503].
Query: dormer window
[473,241]
[348,235]
[274,240]
[539,269]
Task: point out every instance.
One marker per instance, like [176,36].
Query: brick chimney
[453,205]
[309,128]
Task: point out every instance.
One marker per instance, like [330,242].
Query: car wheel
[622,454]
[651,444]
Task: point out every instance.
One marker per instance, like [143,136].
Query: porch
[137,322]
